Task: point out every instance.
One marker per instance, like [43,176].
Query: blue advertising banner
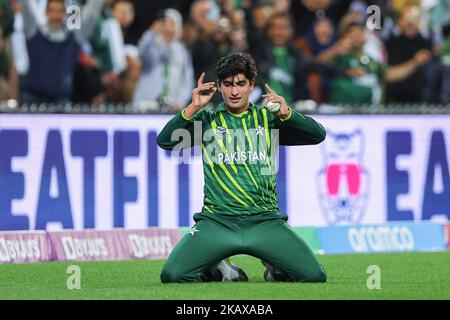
[392,237]
[107,171]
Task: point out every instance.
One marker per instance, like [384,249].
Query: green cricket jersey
[239,153]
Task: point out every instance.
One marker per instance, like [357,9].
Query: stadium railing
[307,106]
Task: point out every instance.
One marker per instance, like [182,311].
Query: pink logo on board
[343,181]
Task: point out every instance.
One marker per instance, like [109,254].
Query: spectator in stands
[108,48]
[87,82]
[237,18]
[282,6]
[217,34]
[18,41]
[445,71]
[361,79]
[238,33]
[305,12]
[407,46]
[4,68]
[320,37]
[362,76]
[227,7]
[6,18]
[145,15]
[373,46]
[211,38]
[257,16]
[53,50]
[167,74]
[123,11]
[320,43]
[399,6]
[438,18]
[280,63]
[8,74]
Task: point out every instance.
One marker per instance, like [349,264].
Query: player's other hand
[273,97]
[201,95]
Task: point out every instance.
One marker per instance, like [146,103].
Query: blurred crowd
[149,53]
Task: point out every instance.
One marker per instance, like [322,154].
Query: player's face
[235,91]
[56,13]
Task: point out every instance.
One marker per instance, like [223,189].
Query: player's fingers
[207,85]
[267,95]
[204,86]
[275,99]
[200,80]
[269,88]
[270,97]
[212,91]
[207,88]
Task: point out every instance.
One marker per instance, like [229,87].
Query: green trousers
[265,236]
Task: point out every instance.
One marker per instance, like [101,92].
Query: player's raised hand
[271,96]
[201,95]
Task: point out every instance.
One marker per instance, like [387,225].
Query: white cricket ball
[273,106]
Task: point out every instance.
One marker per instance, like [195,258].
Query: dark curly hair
[236,63]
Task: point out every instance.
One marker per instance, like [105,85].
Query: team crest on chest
[221,133]
[259,130]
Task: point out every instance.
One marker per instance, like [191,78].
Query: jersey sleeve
[181,131]
[299,129]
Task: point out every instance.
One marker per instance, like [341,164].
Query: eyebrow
[227,82]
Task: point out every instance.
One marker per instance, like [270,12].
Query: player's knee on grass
[169,275]
[318,275]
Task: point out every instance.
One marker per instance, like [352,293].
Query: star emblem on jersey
[221,133]
[193,230]
[259,130]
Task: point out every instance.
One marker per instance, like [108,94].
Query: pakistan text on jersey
[241,157]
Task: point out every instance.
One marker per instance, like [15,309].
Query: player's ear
[218,85]
[252,84]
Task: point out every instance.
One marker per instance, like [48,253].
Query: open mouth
[235,100]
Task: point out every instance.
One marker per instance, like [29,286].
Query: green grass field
[403,276]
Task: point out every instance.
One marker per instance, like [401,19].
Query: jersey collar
[221,107]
